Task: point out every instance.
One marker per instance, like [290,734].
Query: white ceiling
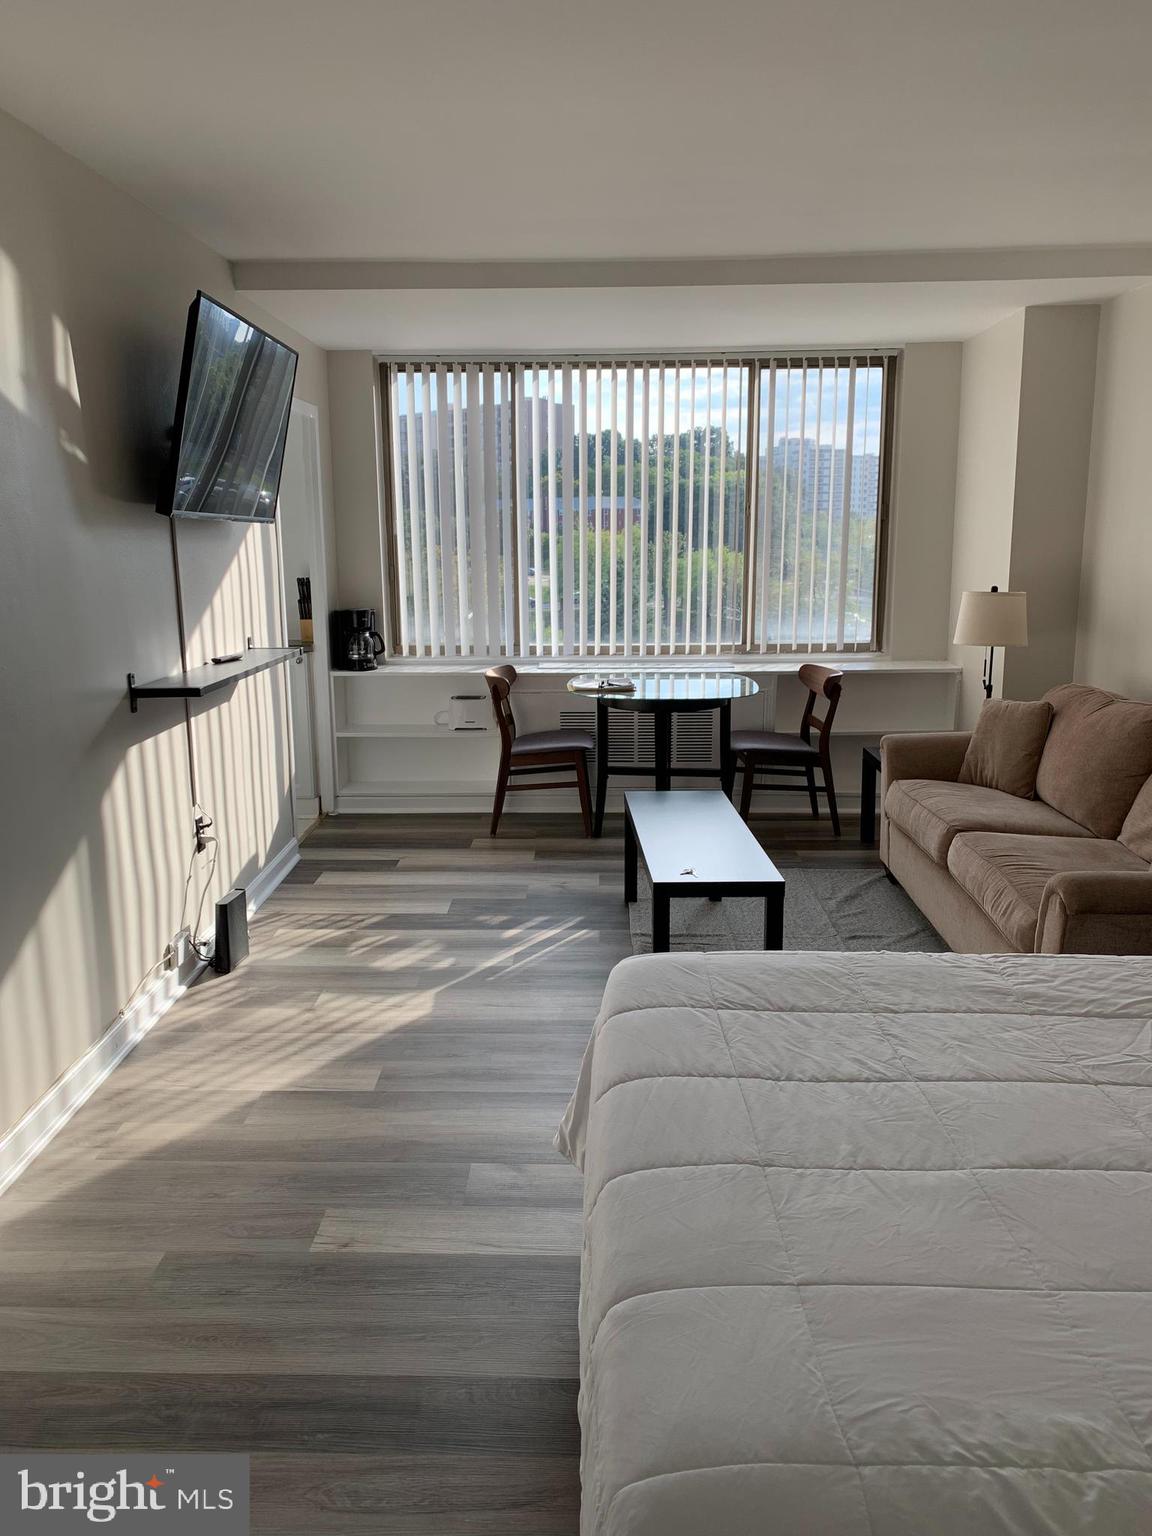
[468,130]
[505,321]
[474,128]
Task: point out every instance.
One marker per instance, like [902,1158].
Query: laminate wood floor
[317,1215]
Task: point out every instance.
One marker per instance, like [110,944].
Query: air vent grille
[631,736]
[578,720]
[694,739]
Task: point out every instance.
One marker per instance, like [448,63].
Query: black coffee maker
[355,640]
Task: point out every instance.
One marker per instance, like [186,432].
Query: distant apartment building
[532,416]
[816,475]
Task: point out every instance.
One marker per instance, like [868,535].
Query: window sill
[472,666]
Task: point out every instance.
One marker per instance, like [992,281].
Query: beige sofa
[1067,871]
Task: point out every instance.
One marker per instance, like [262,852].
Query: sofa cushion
[1097,756]
[932,811]
[1005,873]
[1136,833]
[1005,749]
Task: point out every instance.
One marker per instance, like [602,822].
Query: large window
[637,508]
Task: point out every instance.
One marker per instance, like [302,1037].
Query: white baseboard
[262,884]
[29,1136]
[48,1116]
[546,803]
[399,805]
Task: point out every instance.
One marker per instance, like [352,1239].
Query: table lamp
[992,618]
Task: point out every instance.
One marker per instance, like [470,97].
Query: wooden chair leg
[746,788]
[832,811]
[810,778]
[498,800]
[585,797]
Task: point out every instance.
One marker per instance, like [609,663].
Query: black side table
[869,778]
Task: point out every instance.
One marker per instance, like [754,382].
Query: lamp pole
[988,661]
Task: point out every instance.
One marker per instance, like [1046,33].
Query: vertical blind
[453,508]
[636,508]
[815,513]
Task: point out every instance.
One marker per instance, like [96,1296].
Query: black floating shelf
[201,681]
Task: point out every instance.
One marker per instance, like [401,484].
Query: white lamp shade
[992,618]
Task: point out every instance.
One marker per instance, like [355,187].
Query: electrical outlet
[202,824]
[176,954]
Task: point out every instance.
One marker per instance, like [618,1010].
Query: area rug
[824,908]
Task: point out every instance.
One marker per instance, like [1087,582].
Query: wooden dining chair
[536,752]
[778,754]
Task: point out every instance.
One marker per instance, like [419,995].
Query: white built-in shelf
[393,788]
[380,671]
[753,664]
[373,731]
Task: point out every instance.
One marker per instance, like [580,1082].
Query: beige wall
[985,479]
[1114,635]
[1054,435]
[357,448]
[923,499]
[1021,480]
[94,291]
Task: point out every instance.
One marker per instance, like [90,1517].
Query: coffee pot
[363,644]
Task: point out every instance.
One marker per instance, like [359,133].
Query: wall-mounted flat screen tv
[231,419]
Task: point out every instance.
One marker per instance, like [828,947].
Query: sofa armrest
[923,755]
[1106,912]
[918,755]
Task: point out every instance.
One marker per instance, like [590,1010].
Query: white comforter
[868,1246]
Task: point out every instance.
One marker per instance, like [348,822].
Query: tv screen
[231,418]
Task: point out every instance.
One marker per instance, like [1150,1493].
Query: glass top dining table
[674,690]
[662,694]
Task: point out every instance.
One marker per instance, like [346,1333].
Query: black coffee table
[695,844]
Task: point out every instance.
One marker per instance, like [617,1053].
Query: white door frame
[309,419]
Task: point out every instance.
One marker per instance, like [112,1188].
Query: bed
[868,1246]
